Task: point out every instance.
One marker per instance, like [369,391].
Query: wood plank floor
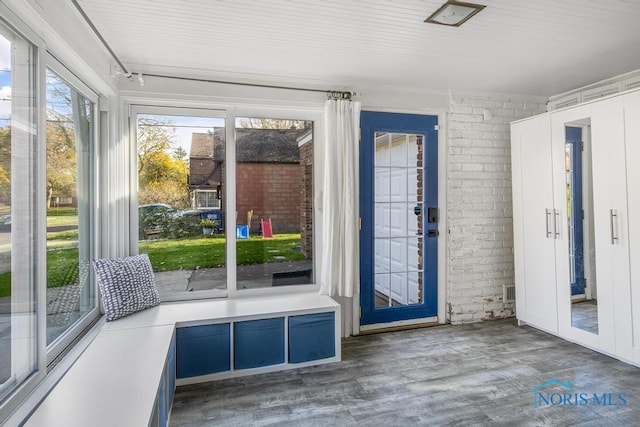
[478,374]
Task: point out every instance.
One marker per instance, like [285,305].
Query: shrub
[208,223]
[169,224]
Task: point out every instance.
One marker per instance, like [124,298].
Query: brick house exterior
[305,142]
[272,176]
[206,169]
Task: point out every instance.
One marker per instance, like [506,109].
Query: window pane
[70,130]
[274,194]
[17,211]
[180,201]
[398,219]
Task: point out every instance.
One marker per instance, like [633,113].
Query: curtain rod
[331,94]
[102,40]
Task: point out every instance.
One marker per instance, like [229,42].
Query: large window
[274,180]
[211,230]
[18,339]
[47,205]
[181,223]
[70,192]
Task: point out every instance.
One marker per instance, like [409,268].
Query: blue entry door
[399,211]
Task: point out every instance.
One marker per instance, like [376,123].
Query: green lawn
[62,266]
[62,216]
[167,255]
[5,284]
[61,211]
[207,252]
[69,235]
[62,220]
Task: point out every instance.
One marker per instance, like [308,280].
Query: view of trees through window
[70,144]
[182,202]
[5,211]
[180,220]
[18,139]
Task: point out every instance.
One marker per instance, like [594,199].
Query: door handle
[612,215]
[546,222]
[432,233]
[556,217]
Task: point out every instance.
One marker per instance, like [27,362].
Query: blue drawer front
[311,337]
[202,350]
[171,373]
[258,343]
[163,411]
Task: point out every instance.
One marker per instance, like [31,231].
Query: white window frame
[20,390]
[229,112]
[285,113]
[208,192]
[67,337]
[134,111]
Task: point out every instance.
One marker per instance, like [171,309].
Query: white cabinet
[610,217]
[602,129]
[533,221]
[546,243]
[627,298]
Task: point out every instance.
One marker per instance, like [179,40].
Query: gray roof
[252,145]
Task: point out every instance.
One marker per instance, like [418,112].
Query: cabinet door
[202,350]
[577,117]
[171,374]
[610,220]
[629,313]
[312,337]
[533,222]
[161,401]
[258,343]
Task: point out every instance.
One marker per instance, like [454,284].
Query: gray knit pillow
[126,285]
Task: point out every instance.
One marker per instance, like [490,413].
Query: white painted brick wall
[479,207]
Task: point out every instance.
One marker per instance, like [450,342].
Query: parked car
[154,208]
[5,222]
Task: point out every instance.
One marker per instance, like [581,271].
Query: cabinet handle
[614,238]
[546,221]
[556,216]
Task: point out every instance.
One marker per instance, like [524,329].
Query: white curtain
[340,257]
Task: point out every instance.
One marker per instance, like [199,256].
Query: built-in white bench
[127,375]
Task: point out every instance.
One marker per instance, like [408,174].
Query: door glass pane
[382,281]
[18,202]
[70,130]
[181,218]
[274,202]
[398,219]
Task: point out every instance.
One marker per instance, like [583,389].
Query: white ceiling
[538,47]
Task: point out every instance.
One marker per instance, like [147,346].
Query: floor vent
[509,293]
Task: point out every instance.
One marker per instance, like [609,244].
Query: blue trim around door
[370,123]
